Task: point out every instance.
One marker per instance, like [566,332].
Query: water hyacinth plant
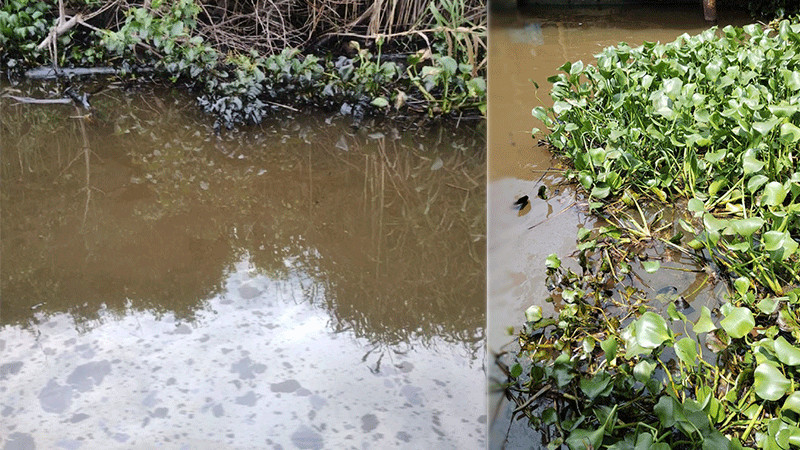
[710,124]
[711,119]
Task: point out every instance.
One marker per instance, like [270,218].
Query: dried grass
[268,26]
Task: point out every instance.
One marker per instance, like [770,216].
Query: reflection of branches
[88,171]
[421,276]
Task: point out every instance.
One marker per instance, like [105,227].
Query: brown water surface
[301,284]
[527,47]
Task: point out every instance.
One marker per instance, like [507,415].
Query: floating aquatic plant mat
[708,123]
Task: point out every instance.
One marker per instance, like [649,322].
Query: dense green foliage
[771,9]
[23,24]
[706,118]
[244,87]
[710,122]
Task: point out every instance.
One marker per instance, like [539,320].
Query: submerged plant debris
[707,127]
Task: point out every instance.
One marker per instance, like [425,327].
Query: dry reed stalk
[269,26]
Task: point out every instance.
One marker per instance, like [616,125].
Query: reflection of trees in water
[398,247]
[400,252]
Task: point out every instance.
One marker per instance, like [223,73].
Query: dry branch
[61,28]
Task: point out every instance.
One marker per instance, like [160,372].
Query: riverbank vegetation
[686,151]
[249,59]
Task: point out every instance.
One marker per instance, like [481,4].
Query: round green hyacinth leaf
[774,194]
[651,330]
[769,383]
[738,322]
[704,323]
[786,352]
[746,227]
[686,349]
[792,402]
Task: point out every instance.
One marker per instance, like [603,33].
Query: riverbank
[424,60]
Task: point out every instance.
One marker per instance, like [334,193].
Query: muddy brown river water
[526,47]
[301,284]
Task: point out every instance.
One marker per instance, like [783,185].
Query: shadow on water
[151,211]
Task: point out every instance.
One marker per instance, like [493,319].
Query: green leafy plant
[609,372]
[702,118]
[701,125]
[23,24]
[240,85]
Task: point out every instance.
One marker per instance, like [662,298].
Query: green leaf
[755,182]
[552,261]
[609,346]
[742,284]
[792,402]
[380,102]
[773,240]
[600,191]
[686,349]
[449,64]
[792,79]
[695,205]
[598,156]
[751,164]
[672,87]
[595,386]
[560,107]
[783,110]
[712,223]
[533,313]
[738,322]
[746,227]
[713,70]
[651,266]
[651,330]
[585,179]
[769,383]
[673,312]
[549,416]
[767,305]
[714,157]
[576,68]
[789,133]
[581,439]
[516,370]
[540,113]
[765,127]
[774,194]
[668,411]
[643,370]
[786,352]
[704,323]
[715,440]
[583,233]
